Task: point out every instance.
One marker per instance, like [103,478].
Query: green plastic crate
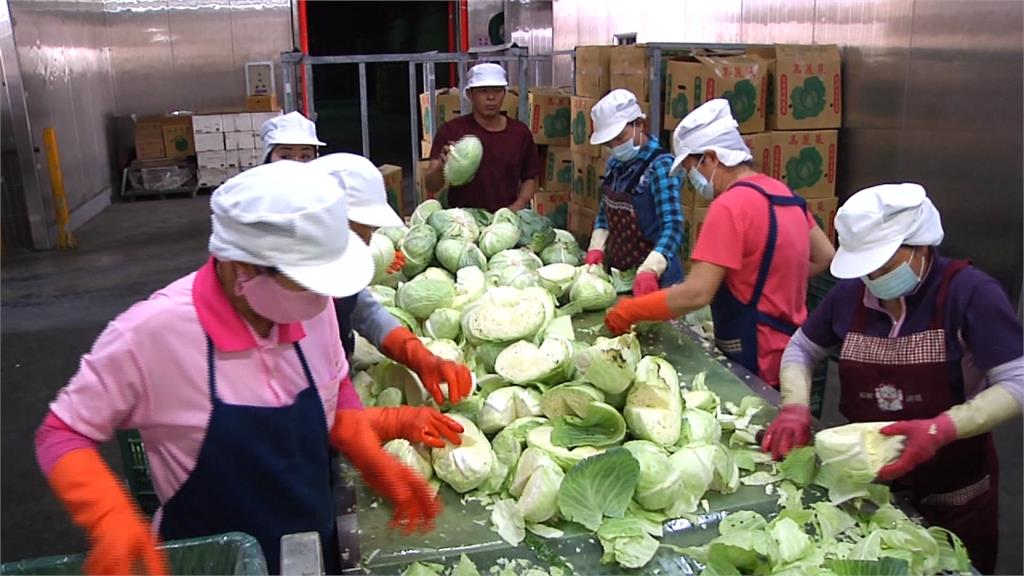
[136,469]
[232,553]
[818,288]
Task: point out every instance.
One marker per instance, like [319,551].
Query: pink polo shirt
[148,370]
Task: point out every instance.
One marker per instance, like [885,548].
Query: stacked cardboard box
[164,138]
[227,144]
[550,119]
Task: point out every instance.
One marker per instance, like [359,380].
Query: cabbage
[499,236]
[443,348]
[535,484]
[653,406]
[540,437]
[388,397]
[535,231]
[435,273]
[463,160]
[483,217]
[364,354]
[468,465]
[514,276]
[852,455]
[696,468]
[610,363]
[382,249]
[405,318]
[472,256]
[560,253]
[508,314]
[524,362]
[424,294]
[443,323]
[415,457]
[598,425]
[506,405]
[448,251]
[556,278]
[405,381]
[591,291]
[565,237]
[515,257]
[384,295]
[699,427]
[454,223]
[658,480]
[424,210]
[628,541]
[393,233]
[469,285]
[418,247]
[505,215]
[570,398]
[601,486]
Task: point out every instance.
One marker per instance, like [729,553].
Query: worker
[363,186]
[639,215]
[236,379]
[755,252]
[928,342]
[510,167]
[291,136]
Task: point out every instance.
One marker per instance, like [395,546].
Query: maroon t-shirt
[510,157]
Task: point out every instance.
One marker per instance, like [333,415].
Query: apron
[909,377]
[261,470]
[343,309]
[633,224]
[736,322]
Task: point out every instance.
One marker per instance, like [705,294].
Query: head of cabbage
[454,223]
[611,363]
[418,247]
[498,236]
[505,314]
[443,323]
[424,210]
[382,249]
[591,291]
[506,405]
[463,160]
[514,257]
[524,362]
[535,231]
[424,294]
[468,465]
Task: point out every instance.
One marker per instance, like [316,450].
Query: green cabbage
[405,318]
[454,223]
[656,486]
[524,362]
[418,247]
[540,437]
[384,295]
[600,486]
[627,542]
[561,253]
[536,483]
[508,314]
[506,405]
[610,364]
[514,276]
[448,251]
[383,252]
[422,295]
[599,425]
[364,354]
[535,231]
[443,323]
[514,258]
[470,283]
[468,465]
[591,291]
[506,215]
[853,454]
[497,237]
[557,278]
[424,210]
[654,406]
[415,457]
[393,233]
[570,398]
[463,160]
[483,217]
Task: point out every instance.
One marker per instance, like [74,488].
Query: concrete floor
[54,304]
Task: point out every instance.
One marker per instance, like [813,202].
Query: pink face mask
[276,303]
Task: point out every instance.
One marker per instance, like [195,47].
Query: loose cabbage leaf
[599,486]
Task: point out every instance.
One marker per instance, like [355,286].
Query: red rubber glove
[645,283]
[629,311]
[122,541]
[397,263]
[414,503]
[790,429]
[415,424]
[402,346]
[923,439]
[594,257]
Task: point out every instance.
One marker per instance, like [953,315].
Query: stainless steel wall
[528,23]
[933,92]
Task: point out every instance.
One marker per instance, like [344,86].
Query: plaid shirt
[665,188]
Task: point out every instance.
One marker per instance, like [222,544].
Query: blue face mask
[627,150]
[898,282]
[701,185]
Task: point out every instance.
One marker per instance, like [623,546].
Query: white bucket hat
[291,128]
[710,126]
[876,221]
[291,217]
[363,186]
[486,74]
[612,113]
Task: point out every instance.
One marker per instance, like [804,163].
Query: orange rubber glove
[415,424]
[414,503]
[121,539]
[629,311]
[402,346]
[397,263]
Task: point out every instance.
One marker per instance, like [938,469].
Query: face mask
[278,304]
[627,150]
[895,283]
[702,185]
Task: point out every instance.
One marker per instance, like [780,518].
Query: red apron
[910,377]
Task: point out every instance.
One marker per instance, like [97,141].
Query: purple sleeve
[820,326]
[988,324]
[348,399]
[801,350]
[54,439]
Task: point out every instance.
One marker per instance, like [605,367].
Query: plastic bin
[232,553]
[818,288]
[136,468]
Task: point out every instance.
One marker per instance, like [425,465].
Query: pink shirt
[148,370]
[742,213]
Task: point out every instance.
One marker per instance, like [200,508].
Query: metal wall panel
[528,23]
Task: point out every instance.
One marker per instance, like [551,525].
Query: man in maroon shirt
[510,166]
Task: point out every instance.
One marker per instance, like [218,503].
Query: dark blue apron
[633,224]
[261,470]
[736,322]
[343,309]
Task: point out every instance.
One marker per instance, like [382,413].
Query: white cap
[710,126]
[486,74]
[612,113]
[363,186]
[289,216]
[291,128]
[876,221]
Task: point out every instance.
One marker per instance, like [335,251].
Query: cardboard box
[558,169]
[582,126]
[258,118]
[806,87]
[760,145]
[581,222]
[425,146]
[694,222]
[213,177]
[248,158]
[806,161]
[684,90]
[265,103]
[208,142]
[231,159]
[393,185]
[178,138]
[421,185]
[592,74]
[207,124]
[587,180]
[550,116]
[743,80]
[628,68]
[449,107]
[553,205]
[242,122]
[238,141]
[211,159]
[149,138]
[824,211]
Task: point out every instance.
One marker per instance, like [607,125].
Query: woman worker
[929,342]
[639,219]
[290,136]
[754,254]
[233,376]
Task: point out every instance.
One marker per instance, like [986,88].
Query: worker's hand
[594,257]
[402,346]
[415,505]
[629,311]
[415,424]
[923,439]
[397,263]
[443,155]
[120,536]
[790,429]
[645,283]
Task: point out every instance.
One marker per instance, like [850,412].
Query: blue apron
[261,470]
[633,224]
[736,322]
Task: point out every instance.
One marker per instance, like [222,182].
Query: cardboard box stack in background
[742,80]
[554,205]
[583,126]
[628,68]
[592,71]
[393,186]
[550,119]
[556,167]
[227,144]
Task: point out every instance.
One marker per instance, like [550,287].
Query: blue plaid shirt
[665,188]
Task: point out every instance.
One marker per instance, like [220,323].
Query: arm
[822,252]
[526,191]
[434,178]
[371,320]
[668,208]
[695,292]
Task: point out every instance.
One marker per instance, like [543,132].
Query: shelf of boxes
[227,144]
